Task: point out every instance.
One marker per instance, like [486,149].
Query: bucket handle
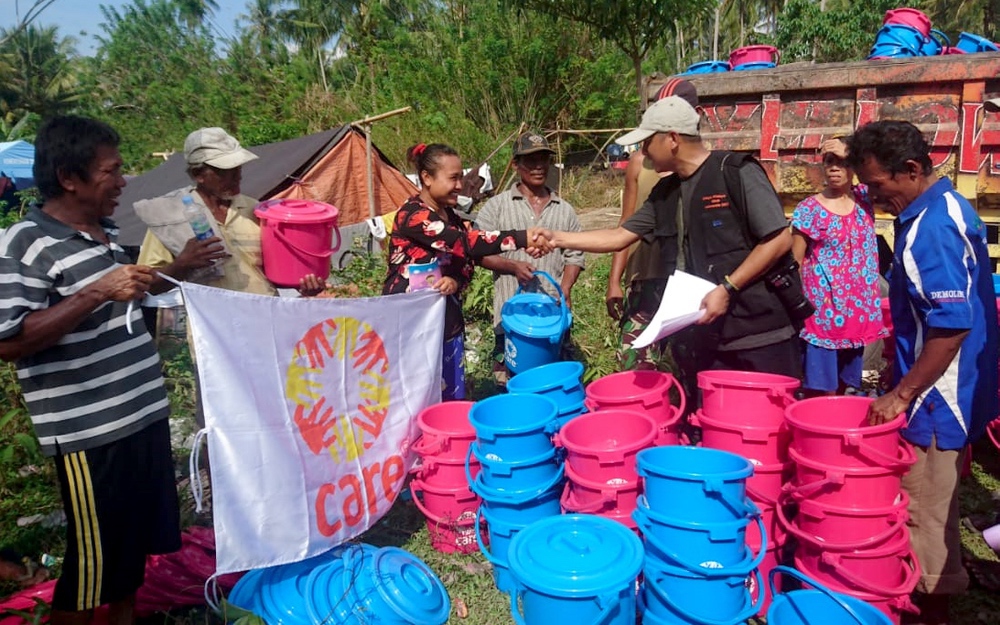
[414,487]
[324,254]
[647,531]
[941,38]
[793,529]
[427,445]
[675,383]
[746,614]
[569,504]
[468,471]
[806,490]
[501,496]
[561,300]
[713,488]
[833,559]
[756,495]
[515,611]
[904,456]
[836,597]
[483,549]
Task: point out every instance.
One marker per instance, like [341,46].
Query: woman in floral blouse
[833,238]
[426,228]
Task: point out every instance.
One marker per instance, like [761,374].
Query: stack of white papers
[679,308]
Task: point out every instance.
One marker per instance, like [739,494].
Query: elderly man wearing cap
[528,203]
[719,218]
[232,258]
[644,274]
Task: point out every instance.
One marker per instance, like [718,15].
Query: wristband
[731,288]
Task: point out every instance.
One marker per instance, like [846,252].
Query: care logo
[338,387]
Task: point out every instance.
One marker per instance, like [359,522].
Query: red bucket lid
[297,211]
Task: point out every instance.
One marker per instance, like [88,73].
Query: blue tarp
[16,160]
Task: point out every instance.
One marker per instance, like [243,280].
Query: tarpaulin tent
[16,160]
[328,166]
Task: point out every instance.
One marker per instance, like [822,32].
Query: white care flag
[310,409]
[679,308]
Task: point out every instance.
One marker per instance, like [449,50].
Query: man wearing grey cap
[528,203]
[720,219]
[232,258]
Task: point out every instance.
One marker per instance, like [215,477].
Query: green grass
[467,577]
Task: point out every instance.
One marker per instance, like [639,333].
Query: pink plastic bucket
[867,567]
[295,239]
[601,446]
[642,391]
[446,432]
[754,54]
[766,483]
[445,474]
[853,488]
[840,529]
[761,445]
[892,597]
[587,496]
[448,504]
[745,397]
[910,17]
[835,430]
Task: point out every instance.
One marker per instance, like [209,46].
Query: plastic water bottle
[198,220]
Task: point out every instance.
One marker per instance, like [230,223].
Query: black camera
[785,282]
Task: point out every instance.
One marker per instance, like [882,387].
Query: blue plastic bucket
[514,427]
[562,382]
[890,51]
[524,506]
[568,414]
[696,546]
[709,484]
[996,285]
[970,43]
[393,587]
[935,44]
[575,569]
[820,605]
[501,534]
[519,476]
[246,593]
[901,35]
[534,325]
[742,67]
[708,67]
[679,596]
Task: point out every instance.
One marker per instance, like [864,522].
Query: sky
[74,16]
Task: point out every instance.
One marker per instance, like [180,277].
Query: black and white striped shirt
[99,383]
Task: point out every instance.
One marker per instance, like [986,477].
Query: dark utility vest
[719,240]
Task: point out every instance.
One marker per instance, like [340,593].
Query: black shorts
[121,505]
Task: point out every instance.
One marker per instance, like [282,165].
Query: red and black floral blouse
[419,235]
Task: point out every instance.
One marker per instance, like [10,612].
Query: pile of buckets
[907,32]
[440,488]
[744,413]
[353,585]
[562,382]
[521,472]
[694,516]
[850,524]
[740,59]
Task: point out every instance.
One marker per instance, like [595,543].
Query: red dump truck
[782,115]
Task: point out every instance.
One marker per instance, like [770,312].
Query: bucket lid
[282,592]
[409,587]
[324,601]
[297,211]
[576,555]
[244,594]
[534,315]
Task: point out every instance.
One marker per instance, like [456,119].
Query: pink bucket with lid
[746,398]
[835,430]
[295,239]
[642,391]
[851,487]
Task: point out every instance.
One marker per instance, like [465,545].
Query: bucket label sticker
[510,352]
[751,584]
[465,537]
[494,457]
[755,462]
[711,564]
[468,515]
[617,481]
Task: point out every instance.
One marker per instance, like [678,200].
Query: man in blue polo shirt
[944,313]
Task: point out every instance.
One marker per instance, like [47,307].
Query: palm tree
[265,27]
[194,12]
[37,71]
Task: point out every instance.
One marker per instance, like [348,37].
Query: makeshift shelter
[16,161]
[328,166]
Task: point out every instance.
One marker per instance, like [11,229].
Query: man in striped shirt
[529,203]
[92,386]
[944,314]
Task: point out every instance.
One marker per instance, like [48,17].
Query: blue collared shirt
[941,278]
